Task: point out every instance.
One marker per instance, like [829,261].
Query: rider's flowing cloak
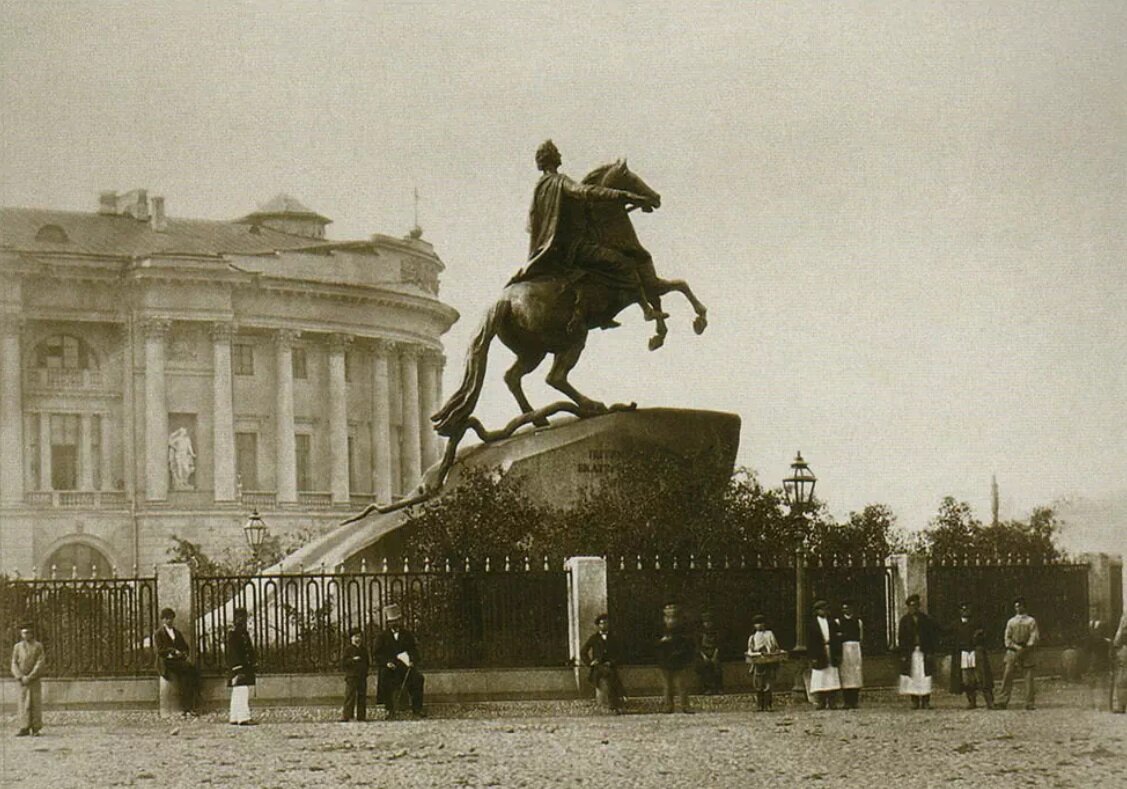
[548,253]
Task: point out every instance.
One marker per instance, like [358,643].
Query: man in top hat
[1020,637]
[29,660]
[675,652]
[397,655]
[603,652]
[917,639]
[970,665]
[174,662]
[823,642]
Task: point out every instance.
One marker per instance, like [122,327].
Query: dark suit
[969,637]
[823,654]
[603,655]
[240,657]
[354,661]
[675,652]
[175,665]
[396,675]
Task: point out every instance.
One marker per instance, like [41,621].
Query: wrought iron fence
[868,584]
[484,614]
[89,627]
[1056,595]
[732,589]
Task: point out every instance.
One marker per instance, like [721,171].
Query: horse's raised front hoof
[656,341]
[700,324]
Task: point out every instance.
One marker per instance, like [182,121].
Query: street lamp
[255,532]
[799,491]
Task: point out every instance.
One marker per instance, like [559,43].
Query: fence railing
[461,618]
[89,627]
[733,590]
[1056,594]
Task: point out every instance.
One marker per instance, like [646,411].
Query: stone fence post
[174,590]
[1105,586]
[909,577]
[586,599]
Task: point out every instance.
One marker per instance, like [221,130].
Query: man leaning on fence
[398,658]
[174,662]
[29,660]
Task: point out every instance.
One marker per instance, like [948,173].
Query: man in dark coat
[970,664]
[917,640]
[174,662]
[354,661]
[560,239]
[398,657]
[823,644]
[241,666]
[675,652]
[602,652]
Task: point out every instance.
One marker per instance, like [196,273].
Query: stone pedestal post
[11,413]
[1105,601]
[381,423]
[285,462]
[909,577]
[156,411]
[223,415]
[174,590]
[338,419]
[586,599]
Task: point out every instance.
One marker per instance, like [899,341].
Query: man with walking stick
[398,657]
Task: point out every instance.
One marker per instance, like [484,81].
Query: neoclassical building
[163,377]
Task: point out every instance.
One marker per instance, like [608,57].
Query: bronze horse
[535,318]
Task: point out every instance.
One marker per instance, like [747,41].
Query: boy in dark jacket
[354,661]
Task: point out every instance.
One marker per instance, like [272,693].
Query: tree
[955,534]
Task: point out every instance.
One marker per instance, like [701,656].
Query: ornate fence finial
[527,563]
[74,571]
[547,566]
[447,564]
[426,564]
[692,561]
[639,561]
[115,571]
[486,564]
[506,562]
[134,569]
[406,563]
[467,564]
[657,562]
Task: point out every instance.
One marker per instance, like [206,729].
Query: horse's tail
[450,420]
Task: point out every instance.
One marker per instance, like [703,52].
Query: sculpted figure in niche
[181,459]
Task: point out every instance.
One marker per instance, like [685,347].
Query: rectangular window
[242,358]
[301,442]
[298,357]
[64,451]
[246,460]
[95,453]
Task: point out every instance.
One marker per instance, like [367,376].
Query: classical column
[86,452]
[412,446]
[107,450]
[338,419]
[285,462]
[381,423]
[11,413]
[156,410]
[428,363]
[45,451]
[223,414]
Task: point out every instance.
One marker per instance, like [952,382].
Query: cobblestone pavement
[1064,743]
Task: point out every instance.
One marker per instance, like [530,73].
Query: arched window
[80,560]
[64,352]
[53,234]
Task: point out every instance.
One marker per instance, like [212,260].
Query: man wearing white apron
[918,642]
[852,632]
[824,644]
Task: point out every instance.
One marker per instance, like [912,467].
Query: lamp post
[255,532]
[799,491]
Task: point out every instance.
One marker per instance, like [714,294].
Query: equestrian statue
[585,266]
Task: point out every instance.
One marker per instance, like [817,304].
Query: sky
[906,219]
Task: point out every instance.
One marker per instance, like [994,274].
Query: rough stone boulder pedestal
[557,464]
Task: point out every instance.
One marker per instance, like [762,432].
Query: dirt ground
[1064,743]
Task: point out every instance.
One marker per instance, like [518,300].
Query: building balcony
[310,498]
[77,499]
[59,378]
[260,499]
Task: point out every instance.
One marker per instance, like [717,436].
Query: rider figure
[560,238]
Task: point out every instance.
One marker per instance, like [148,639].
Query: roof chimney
[158,221]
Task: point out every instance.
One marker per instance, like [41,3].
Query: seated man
[174,662]
[398,659]
[602,653]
